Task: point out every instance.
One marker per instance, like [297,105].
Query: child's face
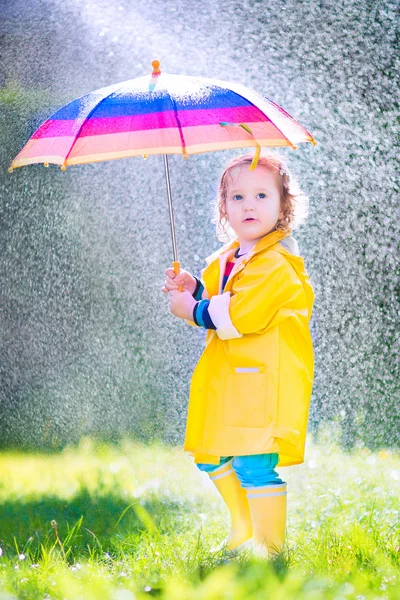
[252,195]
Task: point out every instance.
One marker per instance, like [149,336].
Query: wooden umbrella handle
[177,269]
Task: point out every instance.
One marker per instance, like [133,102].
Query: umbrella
[164,114]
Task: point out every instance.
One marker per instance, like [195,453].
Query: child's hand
[172,281]
[181,304]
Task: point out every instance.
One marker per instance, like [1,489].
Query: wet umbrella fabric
[160,114]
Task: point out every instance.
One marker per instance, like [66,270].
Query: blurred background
[88,346]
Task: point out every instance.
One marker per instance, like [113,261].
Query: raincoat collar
[265,242]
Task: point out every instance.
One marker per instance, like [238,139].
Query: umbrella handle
[177,269]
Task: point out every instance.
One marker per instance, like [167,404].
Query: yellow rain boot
[234,496]
[268,515]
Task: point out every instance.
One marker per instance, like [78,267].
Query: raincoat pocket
[245,400]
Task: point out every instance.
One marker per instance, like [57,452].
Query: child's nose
[248,203]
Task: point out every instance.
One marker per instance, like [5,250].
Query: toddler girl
[250,391]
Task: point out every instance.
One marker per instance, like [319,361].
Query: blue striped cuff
[198,292]
[201,315]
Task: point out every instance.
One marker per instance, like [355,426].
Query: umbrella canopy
[160,114]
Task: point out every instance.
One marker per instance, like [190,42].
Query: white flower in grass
[21,556]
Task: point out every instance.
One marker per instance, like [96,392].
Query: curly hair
[294,204]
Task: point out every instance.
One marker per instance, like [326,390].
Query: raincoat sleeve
[268,292]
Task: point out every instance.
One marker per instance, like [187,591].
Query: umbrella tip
[11,169]
[156,67]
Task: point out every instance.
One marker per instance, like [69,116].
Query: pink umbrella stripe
[148,139]
[100,126]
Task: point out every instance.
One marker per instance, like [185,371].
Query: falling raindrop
[88,345]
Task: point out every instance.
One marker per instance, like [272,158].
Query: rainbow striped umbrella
[164,114]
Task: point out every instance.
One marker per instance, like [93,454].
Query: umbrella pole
[175,263]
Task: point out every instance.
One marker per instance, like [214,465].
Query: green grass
[132,521]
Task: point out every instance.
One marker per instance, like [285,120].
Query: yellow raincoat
[251,389]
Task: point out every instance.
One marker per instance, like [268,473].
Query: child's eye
[237,197]
[262,195]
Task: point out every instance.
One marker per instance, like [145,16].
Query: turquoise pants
[255,470]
